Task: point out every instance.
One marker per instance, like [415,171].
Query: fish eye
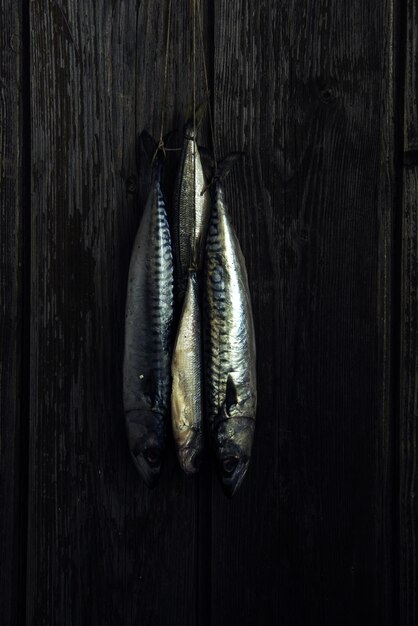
[229,464]
[152,456]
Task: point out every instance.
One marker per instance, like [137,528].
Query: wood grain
[409,331]
[12,423]
[409,406]
[411,77]
[102,548]
[305,90]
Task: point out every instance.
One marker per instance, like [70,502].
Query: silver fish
[191,211]
[186,395]
[230,350]
[148,338]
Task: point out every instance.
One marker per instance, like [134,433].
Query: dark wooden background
[322,97]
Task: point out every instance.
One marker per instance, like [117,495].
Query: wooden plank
[102,548]
[411,78]
[409,332]
[409,401]
[12,205]
[305,89]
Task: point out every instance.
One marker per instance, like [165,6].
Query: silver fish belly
[191,211]
[148,338]
[186,394]
[230,352]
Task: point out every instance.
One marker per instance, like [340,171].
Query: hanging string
[167,49]
[211,123]
[196,9]
[194,124]
[194,67]
[161,145]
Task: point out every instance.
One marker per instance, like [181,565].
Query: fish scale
[191,204]
[148,336]
[161,294]
[154,300]
[229,348]
[191,211]
[186,398]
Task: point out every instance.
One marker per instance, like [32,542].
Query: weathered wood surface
[102,548]
[409,401]
[411,77]
[409,332]
[305,90]
[12,426]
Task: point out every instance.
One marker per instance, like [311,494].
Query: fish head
[190,455]
[146,437]
[234,437]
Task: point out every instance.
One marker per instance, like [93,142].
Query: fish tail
[208,164]
[154,150]
[196,115]
[216,172]
[226,164]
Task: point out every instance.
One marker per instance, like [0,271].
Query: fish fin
[150,145]
[199,114]
[189,112]
[172,140]
[224,166]
[231,397]
[208,162]
[220,171]
[138,152]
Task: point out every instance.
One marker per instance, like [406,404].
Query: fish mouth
[190,459]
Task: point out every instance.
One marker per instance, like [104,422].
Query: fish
[149,333]
[186,369]
[191,208]
[229,343]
